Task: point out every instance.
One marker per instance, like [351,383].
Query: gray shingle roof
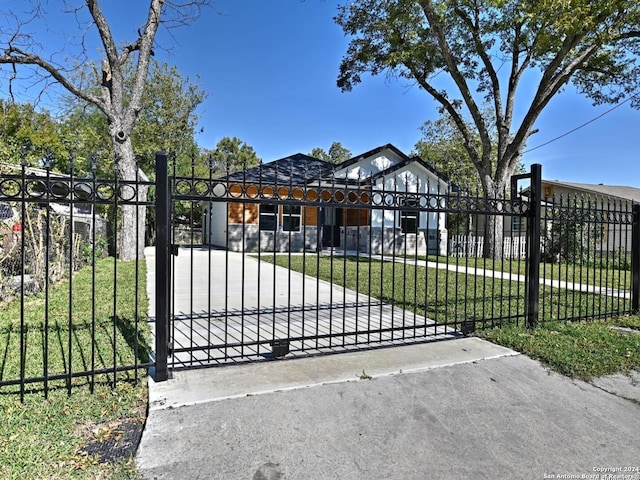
[627,193]
[295,170]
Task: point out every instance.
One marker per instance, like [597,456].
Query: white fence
[472,246]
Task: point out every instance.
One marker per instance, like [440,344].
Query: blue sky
[270,68]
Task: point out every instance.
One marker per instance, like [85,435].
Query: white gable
[368,166]
[412,177]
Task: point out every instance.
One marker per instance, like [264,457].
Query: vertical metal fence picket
[289,258]
[70,315]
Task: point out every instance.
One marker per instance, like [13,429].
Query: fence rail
[258,266]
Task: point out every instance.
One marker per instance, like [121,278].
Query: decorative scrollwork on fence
[39,189]
[353,196]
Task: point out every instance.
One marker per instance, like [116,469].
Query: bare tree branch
[15,56]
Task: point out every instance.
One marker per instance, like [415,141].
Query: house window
[291,218]
[409,218]
[268,217]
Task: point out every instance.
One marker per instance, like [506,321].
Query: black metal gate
[299,263]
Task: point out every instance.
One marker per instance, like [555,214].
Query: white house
[353,206]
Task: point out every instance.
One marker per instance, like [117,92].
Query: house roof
[405,160]
[295,170]
[623,192]
[302,169]
[371,153]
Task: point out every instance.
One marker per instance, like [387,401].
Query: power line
[580,126]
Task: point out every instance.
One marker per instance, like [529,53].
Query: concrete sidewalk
[448,410]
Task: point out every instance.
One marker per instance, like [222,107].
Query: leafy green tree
[319,153]
[233,155]
[465,53]
[168,118]
[166,122]
[28,132]
[120,106]
[442,146]
[337,153]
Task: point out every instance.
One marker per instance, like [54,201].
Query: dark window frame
[291,218]
[409,219]
[268,220]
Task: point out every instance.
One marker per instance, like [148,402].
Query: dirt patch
[114,441]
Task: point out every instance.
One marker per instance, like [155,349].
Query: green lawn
[578,349]
[445,296]
[66,433]
[612,276]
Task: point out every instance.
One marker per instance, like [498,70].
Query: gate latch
[174,250]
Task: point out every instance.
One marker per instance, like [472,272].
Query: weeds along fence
[69,314]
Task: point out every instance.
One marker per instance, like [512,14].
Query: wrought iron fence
[69,314]
[287,259]
[300,263]
[588,246]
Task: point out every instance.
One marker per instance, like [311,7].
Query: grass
[578,349]
[611,277]
[82,427]
[445,296]
[582,350]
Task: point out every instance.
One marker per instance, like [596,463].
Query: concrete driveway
[447,410]
[455,409]
[226,298]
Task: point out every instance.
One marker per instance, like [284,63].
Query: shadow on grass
[135,338]
[61,356]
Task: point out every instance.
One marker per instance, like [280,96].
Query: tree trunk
[131,229]
[494,224]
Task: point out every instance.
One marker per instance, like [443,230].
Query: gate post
[163,272]
[635,260]
[534,254]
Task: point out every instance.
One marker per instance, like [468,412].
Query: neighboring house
[609,201]
[293,226]
[84,218]
[556,189]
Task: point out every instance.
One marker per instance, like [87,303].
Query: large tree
[464,53]
[232,155]
[337,153]
[20,46]
[167,120]
[442,146]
